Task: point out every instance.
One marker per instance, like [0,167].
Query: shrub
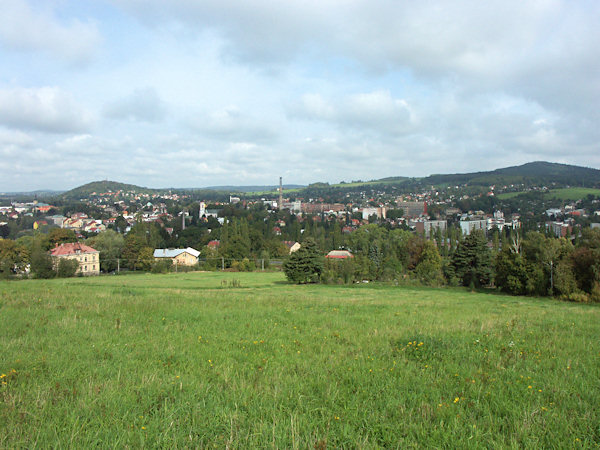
[67,267]
[245,265]
[338,271]
[162,266]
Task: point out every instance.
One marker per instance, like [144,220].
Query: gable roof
[174,252]
[339,254]
[73,248]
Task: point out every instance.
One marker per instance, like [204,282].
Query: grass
[573,193]
[246,361]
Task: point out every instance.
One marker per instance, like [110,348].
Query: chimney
[280,193]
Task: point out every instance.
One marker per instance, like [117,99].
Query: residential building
[428,227]
[467,226]
[412,209]
[559,229]
[87,257]
[339,254]
[379,212]
[179,256]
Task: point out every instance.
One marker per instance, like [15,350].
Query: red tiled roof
[72,249]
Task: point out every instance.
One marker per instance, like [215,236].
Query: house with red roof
[87,257]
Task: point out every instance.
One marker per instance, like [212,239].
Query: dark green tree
[41,263]
[472,260]
[59,236]
[305,264]
[429,268]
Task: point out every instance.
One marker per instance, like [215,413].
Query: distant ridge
[533,172]
[540,172]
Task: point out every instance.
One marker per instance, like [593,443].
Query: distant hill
[539,172]
[103,186]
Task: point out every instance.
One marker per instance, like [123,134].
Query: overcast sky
[192,93]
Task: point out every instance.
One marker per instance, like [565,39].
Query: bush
[162,266]
[578,297]
[67,268]
[245,265]
[338,271]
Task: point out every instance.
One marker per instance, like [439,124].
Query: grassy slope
[561,194]
[186,359]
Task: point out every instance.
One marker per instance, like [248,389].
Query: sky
[193,93]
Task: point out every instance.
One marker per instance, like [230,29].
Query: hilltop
[104,186]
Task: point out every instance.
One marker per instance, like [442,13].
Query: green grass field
[573,193]
[246,361]
[560,194]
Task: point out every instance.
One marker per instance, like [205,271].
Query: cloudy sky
[191,93]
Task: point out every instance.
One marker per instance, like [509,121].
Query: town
[123,227]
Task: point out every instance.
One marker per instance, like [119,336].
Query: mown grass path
[247,361]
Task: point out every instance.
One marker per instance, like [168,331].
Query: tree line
[516,262]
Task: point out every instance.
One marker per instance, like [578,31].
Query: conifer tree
[472,260]
[305,264]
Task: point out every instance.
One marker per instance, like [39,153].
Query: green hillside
[539,172]
[104,186]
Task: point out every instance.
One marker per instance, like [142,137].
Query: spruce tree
[472,260]
[305,264]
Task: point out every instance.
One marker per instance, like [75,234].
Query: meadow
[245,360]
[572,193]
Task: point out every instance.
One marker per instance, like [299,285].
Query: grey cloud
[142,105]
[24,28]
[47,109]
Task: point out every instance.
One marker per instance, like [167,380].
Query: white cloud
[142,105]
[222,91]
[231,124]
[47,109]
[377,111]
[24,28]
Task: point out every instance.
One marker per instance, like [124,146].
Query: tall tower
[280,203]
